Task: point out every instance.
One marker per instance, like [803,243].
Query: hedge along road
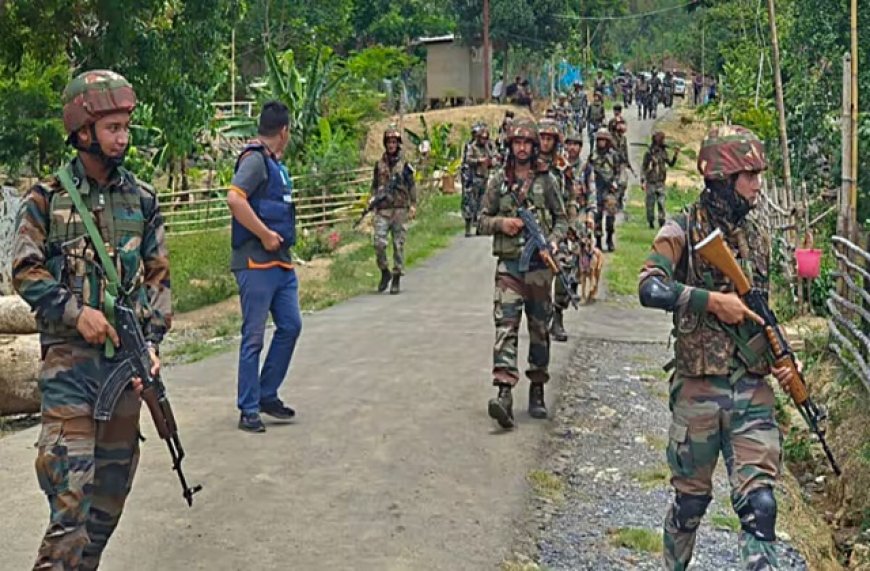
[392,463]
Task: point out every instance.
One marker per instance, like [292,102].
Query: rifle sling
[112,281]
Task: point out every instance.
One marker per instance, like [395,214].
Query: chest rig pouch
[97,262]
[703,344]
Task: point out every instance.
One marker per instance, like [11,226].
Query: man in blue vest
[263,230]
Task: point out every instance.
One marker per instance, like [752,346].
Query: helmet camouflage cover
[603,133]
[93,94]
[524,129]
[573,136]
[728,150]
[392,132]
[549,126]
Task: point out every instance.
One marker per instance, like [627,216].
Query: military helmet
[562,95]
[728,150]
[603,133]
[574,136]
[524,129]
[548,126]
[93,94]
[392,132]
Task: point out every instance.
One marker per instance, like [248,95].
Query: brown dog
[589,270]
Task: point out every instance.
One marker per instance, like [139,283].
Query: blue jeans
[275,290]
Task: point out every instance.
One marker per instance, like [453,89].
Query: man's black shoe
[251,423]
[277,409]
[385,281]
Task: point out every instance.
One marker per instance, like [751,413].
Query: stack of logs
[19,357]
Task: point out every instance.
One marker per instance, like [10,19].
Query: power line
[628,16]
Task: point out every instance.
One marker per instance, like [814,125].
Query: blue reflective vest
[275,206]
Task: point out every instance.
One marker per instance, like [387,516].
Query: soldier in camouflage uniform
[480,156]
[581,205]
[594,118]
[719,397]
[605,166]
[523,180]
[579,102]
[620,145]
[654,172]
[393,179]
[84,467]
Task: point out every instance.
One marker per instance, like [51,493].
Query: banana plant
[304,91]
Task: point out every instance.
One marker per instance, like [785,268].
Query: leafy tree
[31,128]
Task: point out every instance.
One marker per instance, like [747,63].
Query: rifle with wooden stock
[715,252]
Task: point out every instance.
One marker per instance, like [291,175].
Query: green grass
[653,477]
[354,272]
[656,442]
[728,522]
[201,346]
[638,539]
[634,238]
[546,485]
[200,269]
[201,274]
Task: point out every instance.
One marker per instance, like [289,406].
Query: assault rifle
[537,243]
[715,252]
[133,359]
[379,198]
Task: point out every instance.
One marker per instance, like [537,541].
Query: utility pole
[780,103]
[486,50]
[853,174]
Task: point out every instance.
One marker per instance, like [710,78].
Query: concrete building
[453,70]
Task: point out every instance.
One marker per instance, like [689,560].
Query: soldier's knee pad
[758,514]
[688,511]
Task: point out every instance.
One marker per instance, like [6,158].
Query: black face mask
[724,203]
[111,163]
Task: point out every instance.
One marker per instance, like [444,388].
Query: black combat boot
[537,406]
[394,287]
[468,228]
[610,247]
[557,329]
[651,225]
[501,407]
[385,281]
[598,242]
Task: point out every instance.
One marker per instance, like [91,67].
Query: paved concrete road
[392,464]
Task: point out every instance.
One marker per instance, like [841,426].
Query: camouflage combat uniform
[480,157]
[719,397]
[605,165]
[84,467]
[620,145]
[578,176]
[392,217]
[515,290]
[595,116]
[655,172]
